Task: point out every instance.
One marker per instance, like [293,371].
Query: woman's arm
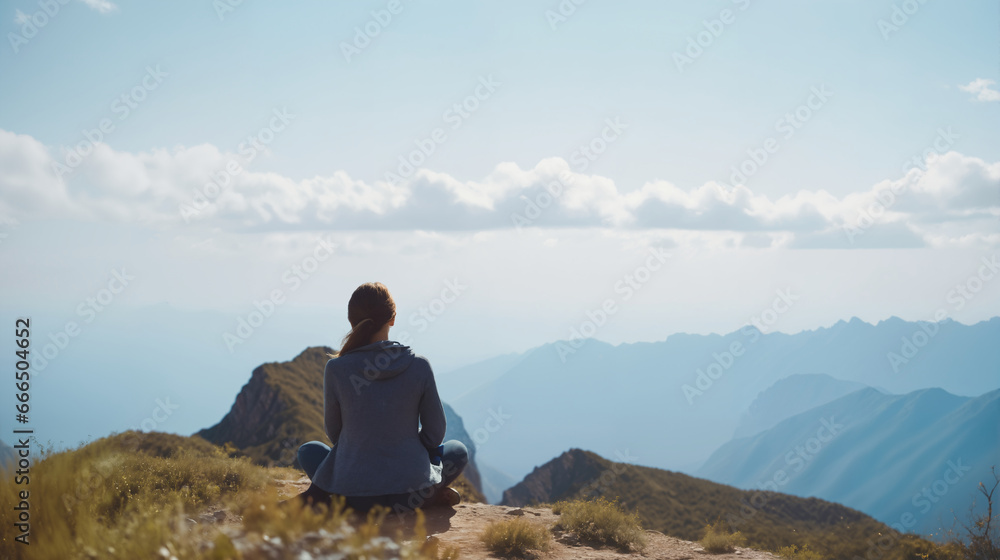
[432,421]
[331,408]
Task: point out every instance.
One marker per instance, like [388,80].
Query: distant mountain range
[790,396]
[673,403]
[916,456]
[833,439]
[680,505]
[281,407]
[737,409]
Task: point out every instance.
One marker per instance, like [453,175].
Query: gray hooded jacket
[373,397]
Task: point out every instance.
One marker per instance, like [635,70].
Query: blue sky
[558,85]
[241,186]
[912,111]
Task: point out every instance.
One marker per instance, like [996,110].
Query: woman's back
[374,396]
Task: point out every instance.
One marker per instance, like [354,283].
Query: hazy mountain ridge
[644,384]
[881,456]
[790,396]
[680,505]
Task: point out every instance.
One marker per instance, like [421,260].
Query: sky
[511,171]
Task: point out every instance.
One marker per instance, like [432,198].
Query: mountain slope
[790,396]
[676,401]
[7,455]
[915,456]
[681,505]
[494,483]
[281,407]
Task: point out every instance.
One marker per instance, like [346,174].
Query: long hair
[370,308]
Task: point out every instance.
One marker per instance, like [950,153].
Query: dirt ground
[462,525]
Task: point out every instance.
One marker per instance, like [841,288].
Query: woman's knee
[456,455]
[311,454]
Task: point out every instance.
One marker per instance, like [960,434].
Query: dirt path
[462,526]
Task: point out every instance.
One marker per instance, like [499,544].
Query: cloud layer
[982,89]
[951,199]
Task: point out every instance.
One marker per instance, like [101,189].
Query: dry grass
[123,496]
[793,552]
[130,495]
[718,540]
[601,522]
[516,538]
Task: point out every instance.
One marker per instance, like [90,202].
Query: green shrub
[515,538]
[718,541]
[793,552]
[601,522]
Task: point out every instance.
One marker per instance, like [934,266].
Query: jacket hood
[382,360]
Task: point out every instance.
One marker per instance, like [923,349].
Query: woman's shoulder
[350,362]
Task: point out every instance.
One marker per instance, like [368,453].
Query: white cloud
[980,87]
[955,197]
[102,6]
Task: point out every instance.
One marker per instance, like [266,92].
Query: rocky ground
[459,527]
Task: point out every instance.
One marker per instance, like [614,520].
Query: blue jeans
[453,461]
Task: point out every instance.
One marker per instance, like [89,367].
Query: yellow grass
[131,495]
[601,522]
[719,541]
[515,538]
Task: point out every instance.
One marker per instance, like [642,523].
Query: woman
[375,391]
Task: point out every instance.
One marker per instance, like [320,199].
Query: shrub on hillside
[601,522]
[515,538]
[718,540]
[793,552]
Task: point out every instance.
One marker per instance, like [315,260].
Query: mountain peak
[281,407]
[561,476]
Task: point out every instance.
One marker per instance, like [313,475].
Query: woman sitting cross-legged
[375,392]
